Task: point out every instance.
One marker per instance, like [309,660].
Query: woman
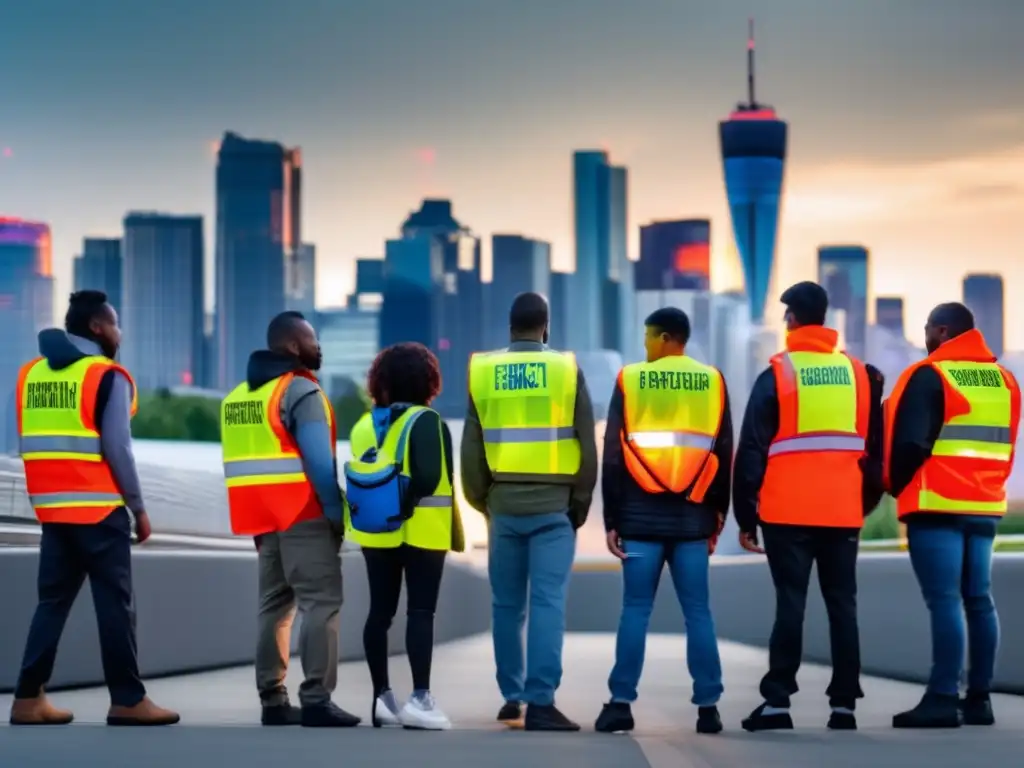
[403,380]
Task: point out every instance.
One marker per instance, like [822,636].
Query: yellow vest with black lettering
[526,402]
[435,522]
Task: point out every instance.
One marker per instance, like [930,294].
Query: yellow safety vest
[435,521]
[526,402]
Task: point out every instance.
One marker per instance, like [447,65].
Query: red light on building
[693,259]
[186,378]
[754,114]
[444,345]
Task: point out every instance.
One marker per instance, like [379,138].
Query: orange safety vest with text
[813,476]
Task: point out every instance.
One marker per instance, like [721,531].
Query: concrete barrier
[197,610]
[894,627]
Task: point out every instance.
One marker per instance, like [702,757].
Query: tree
[163,416]
[349,406]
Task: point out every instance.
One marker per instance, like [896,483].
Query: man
[529,464]
[808,470]
[278,434]
[74,407]
[951,428]
[666,484]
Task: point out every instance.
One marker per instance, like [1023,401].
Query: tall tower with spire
[753,141]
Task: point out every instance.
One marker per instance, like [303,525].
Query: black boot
[759,721]
[708,720]
[615,717]
[328,715]
[934,711]
[547,718]
[976,709]
[281,714]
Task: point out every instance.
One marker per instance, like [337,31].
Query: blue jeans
[641,573]
[954,568]
[529,555]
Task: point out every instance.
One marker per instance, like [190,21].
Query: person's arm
[586,479]
[306,419]
[115,400]
[475,474]
[719,493]
[871,464]
[613,466]
[916,426]
[760,425]
[425,455]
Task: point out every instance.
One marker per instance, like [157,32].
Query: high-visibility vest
[813,476]
[432,523]
[973,455]
[672,412]
[67,477]
[268,490]
[526,402]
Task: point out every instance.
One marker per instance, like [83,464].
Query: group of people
[817,449]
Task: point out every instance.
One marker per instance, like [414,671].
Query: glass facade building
[889,314]
[983,295]
[843,272]
[99,267]
[519,264]
[675,255]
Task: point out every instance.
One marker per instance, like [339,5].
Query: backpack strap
[403,437]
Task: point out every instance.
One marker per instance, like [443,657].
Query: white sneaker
[421,713]
[385,710]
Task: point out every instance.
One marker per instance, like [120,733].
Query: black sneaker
[328,715]
[510,712]
[708,720]
[842,721]
[934,711]
[547,718]
[759,721]
[281,714]
[615,717]
[976,709]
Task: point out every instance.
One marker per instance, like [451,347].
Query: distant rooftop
[433,214]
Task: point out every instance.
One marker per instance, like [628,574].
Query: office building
[753,143]
[519,265]
[983,295]
[559,306]
[258,233]
[889,314]
[302,281]
[369,276]
[99,267]
[163,315]
[348,340]
[843,270]
[675,256]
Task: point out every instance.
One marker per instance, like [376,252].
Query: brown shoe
[143,713]
[38,711]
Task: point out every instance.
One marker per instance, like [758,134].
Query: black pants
[67,554]
[791,550]
[384,569]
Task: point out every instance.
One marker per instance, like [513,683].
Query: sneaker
[421,713]
[934,711]
[977,709]
[328,715]
[615,717]
[281,714]
[708,720]
[766,718]
[511,712]
[385,710]
[842,720]
[547,718]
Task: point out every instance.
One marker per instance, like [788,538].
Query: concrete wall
[197,610]
[894,627]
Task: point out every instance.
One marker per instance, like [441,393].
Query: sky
[906,121]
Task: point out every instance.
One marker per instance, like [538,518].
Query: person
[403,380]
[666,482]
[74,407]
[529,464]
[808,471]
[278,436]
[951,426]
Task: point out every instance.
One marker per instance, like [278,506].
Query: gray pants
[301,566]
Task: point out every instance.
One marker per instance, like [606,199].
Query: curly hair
[404,373]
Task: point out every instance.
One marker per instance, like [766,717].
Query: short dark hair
[670,321]
[956,317]
[807,302]
[282,328]
[83,308]
[529,312]
[404,373]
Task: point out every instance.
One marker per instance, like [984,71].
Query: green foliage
[349,407]
[882,523]
[163,416]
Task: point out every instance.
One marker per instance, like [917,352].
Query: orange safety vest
[672,411]
[66,475]
[268,490]
[813,476]
[973,456]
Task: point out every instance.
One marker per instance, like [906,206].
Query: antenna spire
[750,64]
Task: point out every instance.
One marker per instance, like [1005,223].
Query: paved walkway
[219,712]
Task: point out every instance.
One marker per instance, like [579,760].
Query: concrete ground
[220,716]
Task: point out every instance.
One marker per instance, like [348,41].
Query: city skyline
[868,164]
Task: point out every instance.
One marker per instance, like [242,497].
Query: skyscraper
[520,264]
[753,142]
[302,281]
[675,255]
[889,314]
[843,272]
[163,315]
[983,295]
[558,301]
[99,268]
[258,233]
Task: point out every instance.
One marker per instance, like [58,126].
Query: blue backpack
[374,484]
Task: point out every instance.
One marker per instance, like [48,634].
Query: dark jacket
[635,514]
[488,497]
[761,424]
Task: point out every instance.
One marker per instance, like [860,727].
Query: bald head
[947,321]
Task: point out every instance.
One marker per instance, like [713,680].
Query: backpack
[375,486]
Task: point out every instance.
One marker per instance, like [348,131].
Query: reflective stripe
[817,443]
[975,434]
[73,498]
[58,444]
[528,434]
[262,467]
[435,501]
[669,439]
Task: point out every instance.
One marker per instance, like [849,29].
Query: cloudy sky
[906,120]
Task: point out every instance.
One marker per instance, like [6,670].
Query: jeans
[641,573]
[530,556]
[954,568]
